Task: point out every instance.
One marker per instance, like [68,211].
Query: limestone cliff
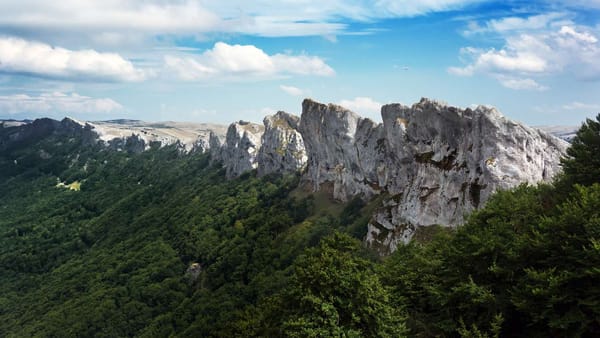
[283,147]
[443,162]
[342,149]
[434,163]
[240,150]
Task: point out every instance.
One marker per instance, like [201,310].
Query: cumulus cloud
[57,102]
[294,91]
[241,61]
[39,59]
[362,105]
[504,60]
[526,56]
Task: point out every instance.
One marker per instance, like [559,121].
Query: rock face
[240,150]
[342,149]
[436,163]
[282,145]
[447,162]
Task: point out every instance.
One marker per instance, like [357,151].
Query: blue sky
[219,61]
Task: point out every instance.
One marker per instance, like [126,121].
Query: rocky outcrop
[342,149]
[435,162]
[215,142]
[448,161]
[282,145]
[240,150]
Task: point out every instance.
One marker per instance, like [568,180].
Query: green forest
[103,243]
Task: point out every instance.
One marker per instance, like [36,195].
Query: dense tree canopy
[334,292]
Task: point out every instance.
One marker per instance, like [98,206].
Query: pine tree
[582,164]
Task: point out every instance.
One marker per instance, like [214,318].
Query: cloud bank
[40,59]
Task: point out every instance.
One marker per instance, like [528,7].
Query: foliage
[335,292]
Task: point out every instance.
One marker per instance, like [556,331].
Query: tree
[560,291]
[582,164]
[335,292]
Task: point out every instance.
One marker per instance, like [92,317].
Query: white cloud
[581,106]
[294,91]
[515,24]
[362,105]
[525,56]
[241,61]
[57,102]
[109,15]
[504,60]
[520,84]
[39,59]
[258,17]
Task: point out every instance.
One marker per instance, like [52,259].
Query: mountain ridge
[434,163]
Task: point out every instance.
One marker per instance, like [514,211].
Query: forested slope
[103,243]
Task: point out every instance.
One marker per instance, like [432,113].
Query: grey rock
[215,142]
[444,162]
[193,272]
[282,145]
[341,148]
[435,162]
[240,151]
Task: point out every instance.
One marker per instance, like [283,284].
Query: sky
[220,61]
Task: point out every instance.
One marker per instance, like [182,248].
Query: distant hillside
[564,132]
